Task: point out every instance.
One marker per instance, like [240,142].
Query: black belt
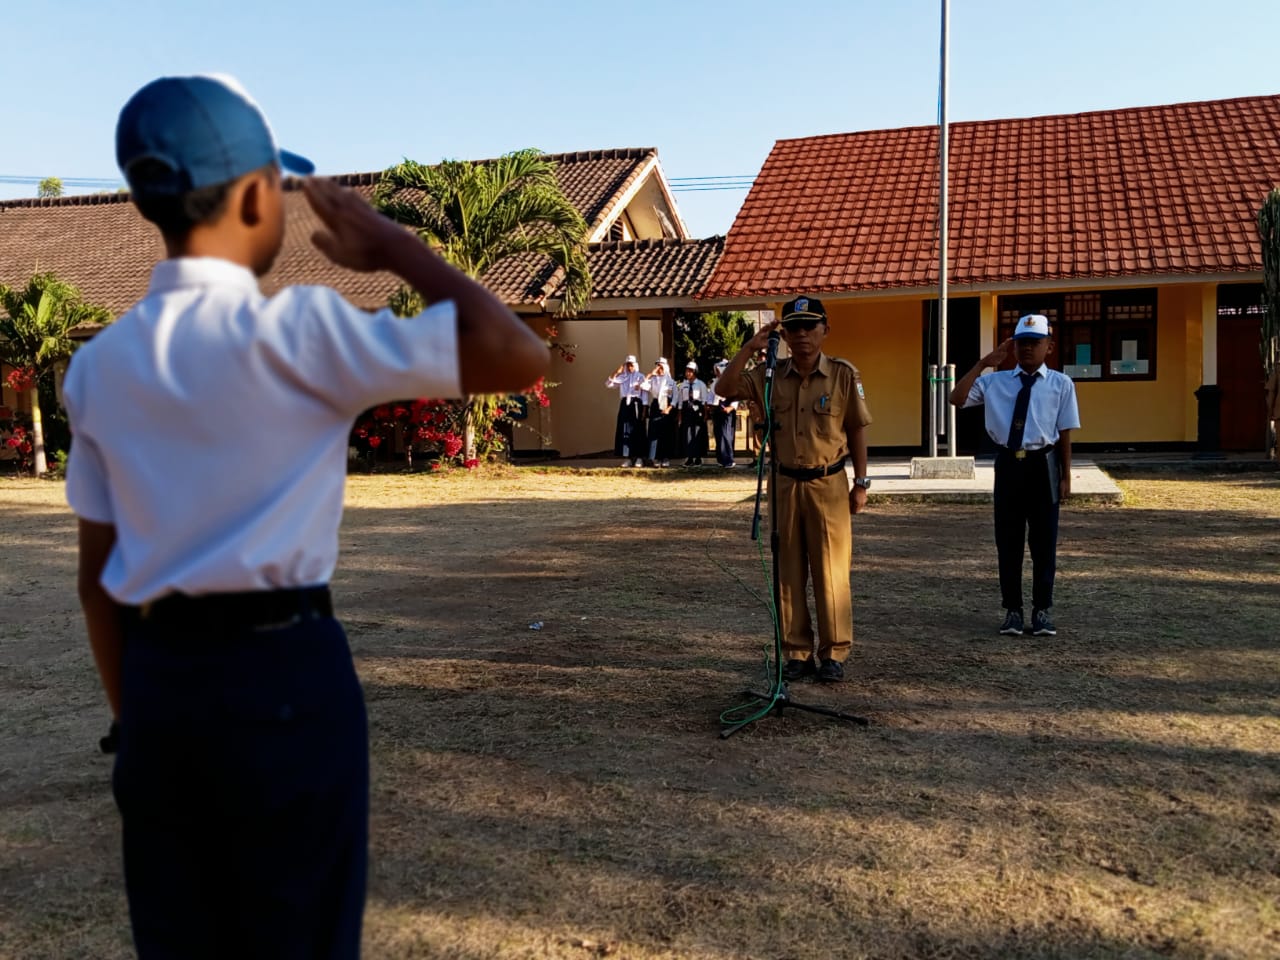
[255,608]
[1025,454]
[810,473]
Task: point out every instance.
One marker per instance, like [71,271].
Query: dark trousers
[1026,512]
[660,429]
[693,432]
[726,427]
[628,438]
[242,780]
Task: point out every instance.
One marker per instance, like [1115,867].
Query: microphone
[771,357]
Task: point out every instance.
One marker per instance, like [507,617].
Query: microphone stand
[777,698]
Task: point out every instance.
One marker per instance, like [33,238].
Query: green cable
[730,717]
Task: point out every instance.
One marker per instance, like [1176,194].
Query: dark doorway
[964,344]
[1244,408]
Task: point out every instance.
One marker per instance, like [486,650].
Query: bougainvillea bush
[432,431]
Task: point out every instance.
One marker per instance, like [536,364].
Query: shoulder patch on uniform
[842,360]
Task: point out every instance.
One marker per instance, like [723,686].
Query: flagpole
[943,151]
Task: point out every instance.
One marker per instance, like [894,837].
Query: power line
[66,181]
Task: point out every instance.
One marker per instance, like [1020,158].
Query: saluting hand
[999,355]
[355,236]
[761,340]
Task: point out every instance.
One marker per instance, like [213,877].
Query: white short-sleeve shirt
[1051,409]
[210,425]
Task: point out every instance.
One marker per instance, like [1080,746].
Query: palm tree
[35,337]
[479,214]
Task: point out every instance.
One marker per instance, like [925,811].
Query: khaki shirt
[816,414]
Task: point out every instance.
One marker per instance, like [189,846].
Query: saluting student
[210,428]
[628,437]
[659,387]
[1030,412]
[724,420]
[690,403]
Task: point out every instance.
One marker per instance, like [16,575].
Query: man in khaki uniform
[819,415]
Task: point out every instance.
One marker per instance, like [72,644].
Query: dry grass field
[561,792]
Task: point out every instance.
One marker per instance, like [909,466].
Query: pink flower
[375,442]
[436,465]
[544,400]
[471,464]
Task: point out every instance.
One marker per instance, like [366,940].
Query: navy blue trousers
[726,426]
[660,433]
[1026,514]
[242,780]
[628,437]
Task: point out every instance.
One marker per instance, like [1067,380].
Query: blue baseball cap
[206,130]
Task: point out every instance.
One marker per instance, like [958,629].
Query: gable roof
[1146,191]
[101,244]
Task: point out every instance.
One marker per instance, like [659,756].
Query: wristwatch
[863,482]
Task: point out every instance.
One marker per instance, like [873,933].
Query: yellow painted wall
[882,338]
[1151,411]
[583,412]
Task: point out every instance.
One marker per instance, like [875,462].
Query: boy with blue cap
[1030,412]
[210,436]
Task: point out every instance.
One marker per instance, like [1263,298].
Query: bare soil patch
[561,792]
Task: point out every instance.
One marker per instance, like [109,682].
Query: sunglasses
[808,323]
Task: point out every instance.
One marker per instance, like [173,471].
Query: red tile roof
[628,269]
[101,244]
[1147,191]
[620,270]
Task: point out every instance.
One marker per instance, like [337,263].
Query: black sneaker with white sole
[1013,625]
[1042,624]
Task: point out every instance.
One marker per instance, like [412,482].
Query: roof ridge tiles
[969,125]
[75,200]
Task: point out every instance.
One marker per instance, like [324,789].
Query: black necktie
[1020,411]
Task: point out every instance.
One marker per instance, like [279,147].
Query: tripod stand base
[783,702]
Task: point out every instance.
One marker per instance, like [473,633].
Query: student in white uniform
[660,429]
[1030,412]
[724,421]
[628,437]
[207,467]
[691,413]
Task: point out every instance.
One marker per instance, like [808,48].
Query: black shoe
[688,461]
[697,461]
[796,669]
[831,671]
[1012,626]
[1042,624]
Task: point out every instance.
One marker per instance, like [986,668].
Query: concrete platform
[893,478]
[889,478]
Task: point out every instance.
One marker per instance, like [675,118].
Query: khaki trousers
[814,536]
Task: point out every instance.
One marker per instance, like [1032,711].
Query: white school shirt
[659,388]
[210,425]
[1051,410]
[630,385]
[686,390]
[718,400]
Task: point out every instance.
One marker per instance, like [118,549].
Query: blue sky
[358,86]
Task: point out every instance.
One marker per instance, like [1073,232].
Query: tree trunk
[37,432]
[469,430]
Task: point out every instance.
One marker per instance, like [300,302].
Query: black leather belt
[1025,454]
[222,611]
[810,473]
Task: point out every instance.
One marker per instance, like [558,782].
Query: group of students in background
[660,418]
